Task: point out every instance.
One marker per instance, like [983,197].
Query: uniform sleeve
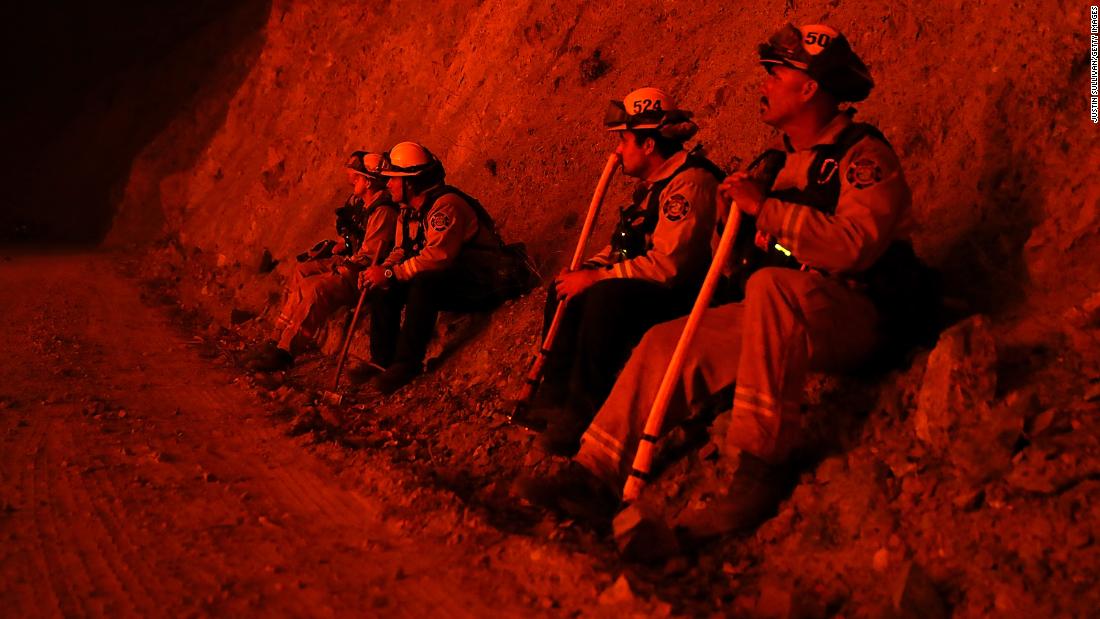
[872,211]
[681,240]
[378,238]
[600,259]
[447,227]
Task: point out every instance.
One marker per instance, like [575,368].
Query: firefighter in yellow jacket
[830,203]
[649,273]
[318,287]
[445,242]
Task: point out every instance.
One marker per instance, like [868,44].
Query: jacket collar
[828,134]
[382,197]
[668,168]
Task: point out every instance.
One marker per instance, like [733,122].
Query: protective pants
[791,322]
[313,294]
[457,289]
[597,331]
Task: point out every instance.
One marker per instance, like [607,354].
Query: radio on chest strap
[639,220]
[821,192]
[351,221]
[822,189]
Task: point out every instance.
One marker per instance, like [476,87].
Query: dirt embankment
[983,104]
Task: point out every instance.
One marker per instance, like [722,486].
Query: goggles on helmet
[365,163]
[389,168]
[785,47]
[355,162]
[617,118]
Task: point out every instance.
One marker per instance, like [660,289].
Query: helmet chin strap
[413,201]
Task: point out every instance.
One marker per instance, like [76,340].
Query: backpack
[509,270]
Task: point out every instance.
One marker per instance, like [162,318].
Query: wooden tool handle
[347,339]
[643,459]
[535,373]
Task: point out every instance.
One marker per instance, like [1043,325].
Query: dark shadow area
[88,86]
[986,266]
[458,330]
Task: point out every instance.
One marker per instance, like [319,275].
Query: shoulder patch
[439,221]
[676,208]
[863,173]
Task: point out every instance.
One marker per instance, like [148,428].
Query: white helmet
[408,159]
[366,163]
[645,108]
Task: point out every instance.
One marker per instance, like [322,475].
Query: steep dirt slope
[982,100]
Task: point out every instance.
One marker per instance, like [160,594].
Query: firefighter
[831,195]
[325,278]
[650,272]
[443,259]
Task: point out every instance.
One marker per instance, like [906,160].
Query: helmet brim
[768,56]
[370,175]
[618,119]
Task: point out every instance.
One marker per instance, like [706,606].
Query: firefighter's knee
[774,287]
[767,281]
[660,340]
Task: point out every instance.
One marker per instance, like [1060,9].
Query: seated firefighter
[325,278]
[650,272]
[447,257]
[834,196]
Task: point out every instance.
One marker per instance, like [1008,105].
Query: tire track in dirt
[194,502]
[65,566]
[124,556]
[39,554]
[97,553]
[92,542]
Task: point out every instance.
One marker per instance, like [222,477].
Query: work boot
[751,493]
[571,490]
[537,413]
[566,425]
[525,415]
[395,377]
[363,372]
[268,357]
[563,433]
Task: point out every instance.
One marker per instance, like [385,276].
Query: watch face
[388,273]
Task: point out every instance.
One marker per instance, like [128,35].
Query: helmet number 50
[817,38]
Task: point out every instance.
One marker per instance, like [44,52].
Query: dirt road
[137,479]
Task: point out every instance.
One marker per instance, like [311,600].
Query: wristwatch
[388,273]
